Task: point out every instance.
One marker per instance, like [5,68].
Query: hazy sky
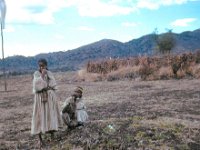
[42,26]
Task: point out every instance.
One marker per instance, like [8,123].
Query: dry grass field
[126,115]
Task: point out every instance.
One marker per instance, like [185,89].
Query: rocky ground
[141,115]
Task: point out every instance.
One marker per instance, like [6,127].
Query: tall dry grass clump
[165,72]
[83,75]
[146,68]
[124,73]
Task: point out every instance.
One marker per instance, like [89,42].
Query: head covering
[78,89]
[42,60]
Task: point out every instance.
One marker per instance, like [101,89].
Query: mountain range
[103,49]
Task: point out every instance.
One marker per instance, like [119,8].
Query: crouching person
[74,110]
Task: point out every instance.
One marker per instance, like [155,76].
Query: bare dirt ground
[142,115]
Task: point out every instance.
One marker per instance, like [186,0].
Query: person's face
[42,66]
[78,94]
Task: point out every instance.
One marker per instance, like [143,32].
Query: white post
[3,60]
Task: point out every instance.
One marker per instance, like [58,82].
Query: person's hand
[44,72]
[74,96]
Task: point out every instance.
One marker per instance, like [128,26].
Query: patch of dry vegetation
[185,65]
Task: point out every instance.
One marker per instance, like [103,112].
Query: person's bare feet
[52,135]
[41,142]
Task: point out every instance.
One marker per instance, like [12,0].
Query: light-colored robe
[80,111]
[46,115]
[69,112]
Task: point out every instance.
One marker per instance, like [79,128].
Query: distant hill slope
[106,48]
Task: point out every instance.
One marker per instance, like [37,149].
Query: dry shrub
[110,65]
[189,71]
[144,71]
[180,74]
[124,72]
[147,68]
[195,70]
[197,56]
[165,72]
[102,67]
[83,75]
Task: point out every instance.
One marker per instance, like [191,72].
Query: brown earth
[153,115]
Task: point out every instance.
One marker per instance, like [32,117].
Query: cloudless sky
[42,26]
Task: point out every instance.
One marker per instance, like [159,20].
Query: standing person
[74,110]
[46,114]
